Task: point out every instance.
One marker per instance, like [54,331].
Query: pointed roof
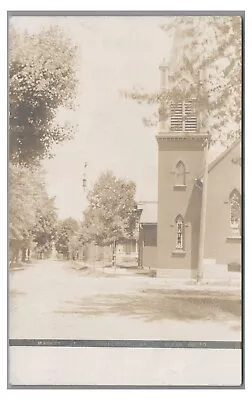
[149,213]
[217,160]
[164,64]
[179,59]
[176,54]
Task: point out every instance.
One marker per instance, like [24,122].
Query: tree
[27,190]
[66,230]
[112,212]
[21,204]
[76,245]
[42,78]
[44,231]
[213,45]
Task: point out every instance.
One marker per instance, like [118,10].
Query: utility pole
[203,215]
[201,94]
[84,185]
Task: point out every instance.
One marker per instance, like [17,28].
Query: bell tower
[181,142]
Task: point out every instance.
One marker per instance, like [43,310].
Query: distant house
[126,253]
[148,234]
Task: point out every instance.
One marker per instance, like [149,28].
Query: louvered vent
[190,116]
[183,116]
[177,117]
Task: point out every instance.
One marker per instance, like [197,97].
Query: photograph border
[137,343]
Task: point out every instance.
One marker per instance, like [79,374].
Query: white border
[127,5]
[52,5]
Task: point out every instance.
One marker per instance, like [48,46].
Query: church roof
[149,213]
[219,158]
[177,52]
[179,60]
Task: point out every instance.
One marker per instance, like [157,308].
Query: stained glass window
[235,212]
[180,233]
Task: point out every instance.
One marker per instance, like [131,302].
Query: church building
[194,229]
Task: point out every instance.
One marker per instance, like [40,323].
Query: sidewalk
[171,283]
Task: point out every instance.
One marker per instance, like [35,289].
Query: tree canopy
[111,214]
[66,230]
[32,213]
[42,78]
[213,45]
[44,231]
[25,187]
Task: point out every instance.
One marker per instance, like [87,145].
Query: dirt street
[51,300]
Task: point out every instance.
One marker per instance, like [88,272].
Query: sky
[115,54]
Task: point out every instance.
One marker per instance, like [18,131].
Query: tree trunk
[15,256]
[114,254]
[23,255]
[139,254]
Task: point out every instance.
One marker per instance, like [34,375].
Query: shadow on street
[153,305]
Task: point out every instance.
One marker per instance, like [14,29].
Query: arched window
[180,233]
[235,212]
[180,173]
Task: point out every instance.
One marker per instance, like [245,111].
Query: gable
[225,174]
[149,212]
[233,154]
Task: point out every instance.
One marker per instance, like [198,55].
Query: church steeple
[180,158]
[177,52]
[180,91]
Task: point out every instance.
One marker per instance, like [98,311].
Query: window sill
[233,238]
[179,187]
[234,267]
[179,253]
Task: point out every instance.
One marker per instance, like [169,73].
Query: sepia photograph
[125,199]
